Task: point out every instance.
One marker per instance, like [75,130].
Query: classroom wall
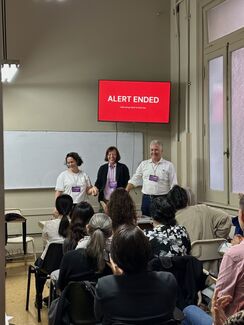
[64,48]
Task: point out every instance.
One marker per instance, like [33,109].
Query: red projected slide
[134,101]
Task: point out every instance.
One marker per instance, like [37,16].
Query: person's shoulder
[52,222]
[236,252]
[103,166]
[164,277]
[106,281]
[121,165]
[76,253]
[63,173]
[180,228]
[166,162]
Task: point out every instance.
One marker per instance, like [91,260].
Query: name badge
[153,178]
[75,188]
[112,184]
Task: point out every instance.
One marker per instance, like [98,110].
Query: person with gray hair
[156,175]
[88,263]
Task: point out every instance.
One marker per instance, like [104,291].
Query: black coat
[122,177]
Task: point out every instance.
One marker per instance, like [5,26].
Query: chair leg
[38,297]
[34,249]
[28,288]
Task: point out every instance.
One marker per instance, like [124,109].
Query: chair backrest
[189,275]
[207,249]
[145,321]
[52,258]
[81,304]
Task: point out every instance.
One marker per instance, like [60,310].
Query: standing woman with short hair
[74,181]
[111,175]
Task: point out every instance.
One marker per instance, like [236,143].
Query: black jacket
[189,275]
[122,177]
[135,296]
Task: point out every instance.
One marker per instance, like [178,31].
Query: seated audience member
[230,282]
[87,263]
[231,274]
[235,220]
[201,221]
[121,208]
[193,315]
[55,230]
[77,236]
[132,292]
[167,238]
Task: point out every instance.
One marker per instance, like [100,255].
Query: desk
[22,220]
[145,222]
[41,224]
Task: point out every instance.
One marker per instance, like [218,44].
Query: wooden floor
[16,281]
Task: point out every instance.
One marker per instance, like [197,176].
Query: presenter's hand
[93,191]
[114,267]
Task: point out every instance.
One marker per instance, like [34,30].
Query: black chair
[76,304]
[157,320]
[146,322]
[189,275]
[50,263]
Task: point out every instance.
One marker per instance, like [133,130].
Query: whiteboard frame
[34,159]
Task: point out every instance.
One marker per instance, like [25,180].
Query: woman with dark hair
[126,295]
[111,175]
[87,263]
[167,238]
[200,220]
[55,230]
[74,181]
[121,209]
[77,237]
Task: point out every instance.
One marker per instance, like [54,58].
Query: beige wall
[64,48]
[186,135]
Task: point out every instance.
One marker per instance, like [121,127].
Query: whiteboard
[34,159]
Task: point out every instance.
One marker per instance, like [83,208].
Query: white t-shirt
[156,179]
[50,234]
[73,184]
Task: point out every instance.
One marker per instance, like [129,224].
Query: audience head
[80,217]
[75,156]
[64,204]
[163,212]
[130,249]
[156,150]
[100,229]
[121,208]
[113,150]
[177,196]
[241,211]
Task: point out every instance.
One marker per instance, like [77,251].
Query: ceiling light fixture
[8,67]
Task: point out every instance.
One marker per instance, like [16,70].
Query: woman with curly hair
[121,209]
[167,238]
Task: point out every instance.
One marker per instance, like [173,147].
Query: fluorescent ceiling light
[9,70]
[8,67]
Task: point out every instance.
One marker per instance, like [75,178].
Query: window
[224,101]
